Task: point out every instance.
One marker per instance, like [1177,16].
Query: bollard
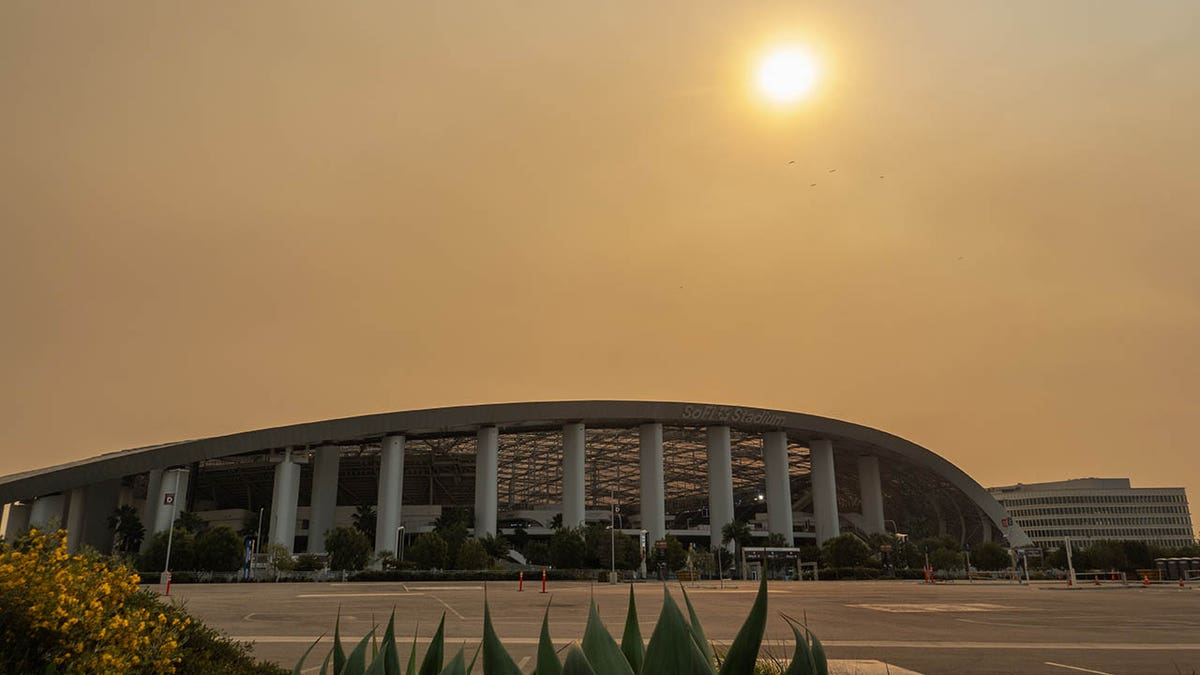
[543,579]
[1146,582]
[168,589]
[521,581]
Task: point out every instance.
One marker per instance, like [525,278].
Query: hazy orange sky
[225,216]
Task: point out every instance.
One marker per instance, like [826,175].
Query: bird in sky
[813,185]
[792,162]
[832,170]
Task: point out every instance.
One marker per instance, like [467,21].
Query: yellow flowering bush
[79,613]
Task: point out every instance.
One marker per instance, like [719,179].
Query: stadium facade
[654,467]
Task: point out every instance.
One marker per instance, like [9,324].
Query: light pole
[400,542]
[171,531]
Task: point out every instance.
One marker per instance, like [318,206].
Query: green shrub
[677,646]
[183,550]
[430,551]
[218,549]
[348,548]
[309,562]
[473,556]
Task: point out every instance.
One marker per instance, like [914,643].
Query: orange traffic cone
[521,581]
[1146,581]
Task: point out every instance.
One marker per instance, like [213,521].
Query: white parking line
[357,595]
[1082,670]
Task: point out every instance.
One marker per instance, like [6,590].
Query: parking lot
[883,626]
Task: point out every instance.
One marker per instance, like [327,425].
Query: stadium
[652,468]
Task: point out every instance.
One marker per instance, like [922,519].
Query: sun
[786,74]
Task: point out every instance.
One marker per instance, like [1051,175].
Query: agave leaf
[436,654]
[456,666]
[374,639]
[547,660]
[697,629]
[391,656]
[577,663]
[376,667]
[356,662]
[631,640]
[496,660]
[802,660]
[411,669]
[600,649]
[474,658]
[339,654]
[743,653]
[671,649]
[325,663]
[295,671]
[818,653]
[700,664]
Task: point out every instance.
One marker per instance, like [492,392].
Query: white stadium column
[871,493]
[47,511]
[720,484]
[652,493]
[486,475]
[150,509]
[172,493]
[391,493]
[326,460]
[18,520]
[779,485]
[76,510]
[824,489]
[573,472]
[283,502]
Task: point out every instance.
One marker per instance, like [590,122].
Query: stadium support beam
[391,493]
[284,501]
[652,491]
[150,509]
[77,507]
[779,485]
[720,484]
[102,500]
[326,461]
[486,459]
[47,510]
[573,473]
[173,488]
[824,490]
[18,520]
[871,493]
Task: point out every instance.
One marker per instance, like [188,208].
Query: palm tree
[364,519]
[738,532]
[128,531]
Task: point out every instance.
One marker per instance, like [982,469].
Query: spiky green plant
[678,646]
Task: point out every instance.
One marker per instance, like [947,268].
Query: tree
[568,548]
[279,559]
[777,540]
[472,556]
[674,555]
[738,532]
[365,519]
[990,556]
[191,522]
[496,546]
[348,548]
[219,549]
[128,532]
[946,559]
[453,517]
[430,551]
[556,522]
[537,552]
[845,550]
[183,547]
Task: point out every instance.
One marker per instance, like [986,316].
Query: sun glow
[786,75]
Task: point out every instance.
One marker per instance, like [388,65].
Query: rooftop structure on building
[1093,509]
